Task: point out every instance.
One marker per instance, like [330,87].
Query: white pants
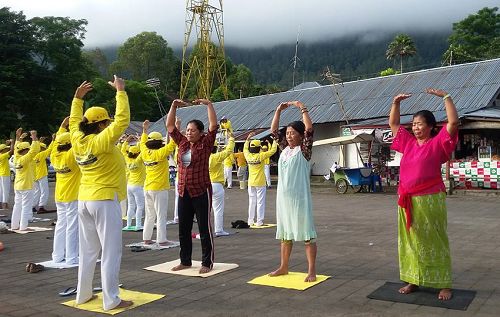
[267,172]
[156,209]
[22,212]
[176,204]
[242,173]
[123,207]
[135,197]
[228,176]
[100,228]
[66,233]
[218,206]
[256,199]
[41,192]
[4,189]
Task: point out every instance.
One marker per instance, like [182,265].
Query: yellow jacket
[100,161]
[240,159]
[4,164]
[136,172]
[215,161]
[41,162]
[256,176]
[25,173]
[228,162]
[156,162]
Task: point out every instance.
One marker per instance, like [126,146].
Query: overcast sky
[255,22]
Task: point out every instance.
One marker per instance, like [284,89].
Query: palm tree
[402,46]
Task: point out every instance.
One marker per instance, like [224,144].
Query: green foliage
[476,37]
[402,46]
[98,59]
[389,71]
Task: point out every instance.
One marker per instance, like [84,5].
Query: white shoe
[221,233]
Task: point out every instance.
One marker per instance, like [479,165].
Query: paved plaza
[357,246]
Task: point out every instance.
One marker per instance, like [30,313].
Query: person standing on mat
[293,198]
[256,178]
[23,183]
[136,174]
[216,167]
[66,197]
[41,184]
[6,151]
[424,252]
[155,156]
[102,187]
[195,188]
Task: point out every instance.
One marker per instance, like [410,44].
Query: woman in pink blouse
[424,252]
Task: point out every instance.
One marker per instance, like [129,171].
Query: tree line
[42,60]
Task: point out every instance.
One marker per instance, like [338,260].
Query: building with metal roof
[473,86]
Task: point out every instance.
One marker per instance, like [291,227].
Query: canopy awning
[350,139]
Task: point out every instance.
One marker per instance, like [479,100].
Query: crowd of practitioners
[99,168]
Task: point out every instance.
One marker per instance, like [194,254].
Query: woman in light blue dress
[293,199]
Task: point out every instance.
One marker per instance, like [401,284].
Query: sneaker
[259,224]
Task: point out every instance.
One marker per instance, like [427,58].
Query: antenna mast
[295,58]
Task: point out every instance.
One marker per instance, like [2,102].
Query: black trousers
[201,206]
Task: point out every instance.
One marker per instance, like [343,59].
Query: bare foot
[445,294]
[124,304]
[180,267]
[311,277]
[164,244]
[204,270]
[409,288]
[148,242]
[278,272]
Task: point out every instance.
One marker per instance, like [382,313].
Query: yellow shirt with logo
[100,161]
[4,164]
[215,166]
[255,161]
[136,172]
[41,162]
[156,162]
[68,175]
[240,159]
[25,173]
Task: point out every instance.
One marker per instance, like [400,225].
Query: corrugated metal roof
[473,86]
[493,113]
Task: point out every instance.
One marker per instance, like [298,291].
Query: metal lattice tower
[209,63]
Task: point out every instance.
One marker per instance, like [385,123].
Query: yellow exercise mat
[31,230]
[95,305]
[293,280]
[266,225]
[193,270]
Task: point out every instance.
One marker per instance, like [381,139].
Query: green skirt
[424,251]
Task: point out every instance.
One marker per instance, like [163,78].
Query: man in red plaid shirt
[195,188]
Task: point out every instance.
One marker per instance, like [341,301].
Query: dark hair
[199,125]
[64,147]
[154,144]
[298,126]
[132,155]
[429,119]
[214,149]
[23,151]
[254,149]
[89,128]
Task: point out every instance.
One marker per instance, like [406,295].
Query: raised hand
[201,101]
[65,123]
[145,125]
[83,89]
[296,103]
[178,103]
[250,135]
[398,98]
[19,132]
[33,134]
[118,83]
[436,92]
[282,106]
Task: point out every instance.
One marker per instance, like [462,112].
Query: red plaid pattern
[195,177]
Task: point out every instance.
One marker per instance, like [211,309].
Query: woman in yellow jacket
[23,184]
[155,156]
[102,187]
[6,151]
[68,177]
[41,185]
[136,174]
[256,178]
